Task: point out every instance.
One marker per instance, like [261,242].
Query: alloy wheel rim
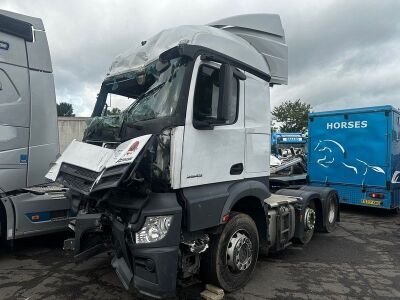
[239,252]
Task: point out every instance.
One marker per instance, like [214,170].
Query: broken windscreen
[153,94]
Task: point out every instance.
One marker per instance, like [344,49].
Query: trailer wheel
[310,218]
[232,255]
[332,213]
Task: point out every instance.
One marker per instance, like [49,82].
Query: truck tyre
[310,217]
[232,255]
[3,225]
[332,213]
[4,243]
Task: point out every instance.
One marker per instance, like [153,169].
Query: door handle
[236,169]
[1,86]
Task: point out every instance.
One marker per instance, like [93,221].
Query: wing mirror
[227,76]
[226,83]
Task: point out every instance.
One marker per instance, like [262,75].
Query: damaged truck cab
[177,184]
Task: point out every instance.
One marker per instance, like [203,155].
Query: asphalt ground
[360,260]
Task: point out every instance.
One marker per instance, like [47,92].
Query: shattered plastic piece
[207,295]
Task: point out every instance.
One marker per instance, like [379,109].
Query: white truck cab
[177,185]
[28,132]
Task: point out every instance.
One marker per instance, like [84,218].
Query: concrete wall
[70,128]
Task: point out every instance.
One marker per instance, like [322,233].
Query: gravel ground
[361,259]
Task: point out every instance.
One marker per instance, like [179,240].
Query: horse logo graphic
[396,177]
[334,155]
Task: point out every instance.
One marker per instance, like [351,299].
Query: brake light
[377,195]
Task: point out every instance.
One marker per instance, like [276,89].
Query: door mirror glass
[216,97]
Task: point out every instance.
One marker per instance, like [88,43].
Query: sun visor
[265,33]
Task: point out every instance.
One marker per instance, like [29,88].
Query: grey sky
[341,53]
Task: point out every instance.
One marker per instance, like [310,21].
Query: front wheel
[232,256]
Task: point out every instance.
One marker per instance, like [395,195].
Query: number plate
[372,202]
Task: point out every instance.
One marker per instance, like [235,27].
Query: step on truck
[177,184]
[28,132]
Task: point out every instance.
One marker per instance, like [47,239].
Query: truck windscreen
[159,92]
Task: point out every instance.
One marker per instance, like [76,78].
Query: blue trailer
[357,152]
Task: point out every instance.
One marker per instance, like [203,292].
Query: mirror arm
[239,74]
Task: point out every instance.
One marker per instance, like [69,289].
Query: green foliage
[293,115]
[113,111]
[65,110]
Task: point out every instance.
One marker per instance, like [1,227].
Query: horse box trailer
[357,152]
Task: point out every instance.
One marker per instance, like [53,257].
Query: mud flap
[123,271]
[89,239]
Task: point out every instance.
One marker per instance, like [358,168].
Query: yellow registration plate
[371,202]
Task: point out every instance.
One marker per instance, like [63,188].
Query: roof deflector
[265,33]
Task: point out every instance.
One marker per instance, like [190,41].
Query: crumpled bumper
[151,268]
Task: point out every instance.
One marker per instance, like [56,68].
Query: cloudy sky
[341,53]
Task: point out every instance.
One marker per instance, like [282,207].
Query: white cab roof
[205,36]
[256,40]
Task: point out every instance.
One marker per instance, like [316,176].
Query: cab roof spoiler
[265,33]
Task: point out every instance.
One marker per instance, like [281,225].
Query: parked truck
[28,132]
[357,152]
[177,184]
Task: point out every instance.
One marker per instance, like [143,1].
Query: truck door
[14,112]
[213,154]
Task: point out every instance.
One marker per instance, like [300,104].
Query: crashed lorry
[176,186]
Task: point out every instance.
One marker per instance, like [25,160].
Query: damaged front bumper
[150,267]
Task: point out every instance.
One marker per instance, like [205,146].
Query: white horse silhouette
[334,154]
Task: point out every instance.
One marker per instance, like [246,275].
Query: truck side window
[206,106]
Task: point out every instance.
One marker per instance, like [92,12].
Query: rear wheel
[232,256]
[310,217]
[332,213]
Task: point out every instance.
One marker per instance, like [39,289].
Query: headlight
[153,230]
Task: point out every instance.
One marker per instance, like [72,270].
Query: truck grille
[77,178]
[79,172]
[76,183]
[82,180]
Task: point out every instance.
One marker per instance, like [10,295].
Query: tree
[65,110]
[113,111]
[292,115]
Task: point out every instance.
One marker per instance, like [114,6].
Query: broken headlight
[153,230]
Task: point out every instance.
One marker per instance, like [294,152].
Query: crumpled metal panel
[213,38]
